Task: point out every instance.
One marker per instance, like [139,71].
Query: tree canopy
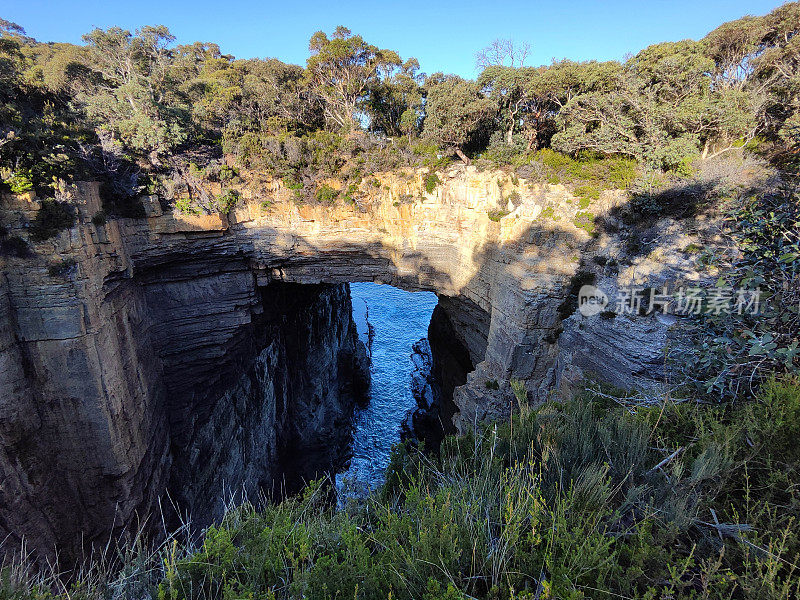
[142,96]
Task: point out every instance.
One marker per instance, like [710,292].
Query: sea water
[398,319]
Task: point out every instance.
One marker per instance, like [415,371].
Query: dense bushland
[135,108]
[581,499]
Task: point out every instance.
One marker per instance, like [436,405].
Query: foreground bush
[579,500]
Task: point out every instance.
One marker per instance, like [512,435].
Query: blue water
[399,319]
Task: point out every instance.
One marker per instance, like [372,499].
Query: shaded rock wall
[85,434]
[163,356]
[120,383]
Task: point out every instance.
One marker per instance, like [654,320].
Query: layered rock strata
[173,354]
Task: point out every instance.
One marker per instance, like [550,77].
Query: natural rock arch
[159,361]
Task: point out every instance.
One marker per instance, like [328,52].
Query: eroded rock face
[427,421]
[174,353]
[181,375]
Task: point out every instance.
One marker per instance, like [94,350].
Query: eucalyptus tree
[455,113]
[510,89]
[131,96]
[10,77]
[276,98]
[502,53]
[391,97]
[342,69]
[776,73]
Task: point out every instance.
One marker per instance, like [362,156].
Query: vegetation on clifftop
[136,110]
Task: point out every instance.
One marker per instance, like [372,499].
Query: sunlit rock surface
[171,354]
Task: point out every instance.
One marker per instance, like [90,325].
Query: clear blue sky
[442,34]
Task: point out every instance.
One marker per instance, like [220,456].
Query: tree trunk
[461,155]
[705,150]
[510,136]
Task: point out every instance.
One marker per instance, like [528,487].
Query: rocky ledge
[179,354]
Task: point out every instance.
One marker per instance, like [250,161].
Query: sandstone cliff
[179,354]
[126,380]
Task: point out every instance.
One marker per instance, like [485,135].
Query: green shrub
[500,153]
[621,173]
[587,191]
[424,148]
[52,218]
[736,349]
[20,182]
[552,159]
[227,201]
[593,496]
[292,183]
[227,173]
[548,212]
[679,156]
[585,220]
[326,193]
[496,215]
[431,181]
[599,171]
[352,191]
[184,205]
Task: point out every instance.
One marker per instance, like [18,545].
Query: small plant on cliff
[292,183]
[184,205]
[52,218]
[430,181]
[227,201]
[227,173]
[585,220]
[587,191]
[295,186]
[521,395]
[20,182]
[326,193]
[352,191]
[548,212]
[496,215]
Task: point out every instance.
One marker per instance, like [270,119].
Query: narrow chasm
[416,362]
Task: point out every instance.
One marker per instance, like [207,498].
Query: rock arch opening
[168,359]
